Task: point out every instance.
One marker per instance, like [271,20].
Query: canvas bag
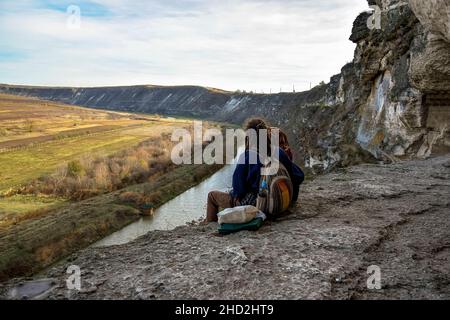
[237,215]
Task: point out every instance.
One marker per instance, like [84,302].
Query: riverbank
[31,245]
[393,216]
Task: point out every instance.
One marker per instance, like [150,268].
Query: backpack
[275,192]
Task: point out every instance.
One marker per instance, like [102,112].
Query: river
[188,206]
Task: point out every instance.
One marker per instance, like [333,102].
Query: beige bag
[242,214]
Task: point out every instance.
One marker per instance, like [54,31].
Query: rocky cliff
[391,102]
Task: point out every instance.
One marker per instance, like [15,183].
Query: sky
[253,45]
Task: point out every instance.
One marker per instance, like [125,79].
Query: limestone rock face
[392,117]
[434,16]
[430,71]
[430,68]
[401,67]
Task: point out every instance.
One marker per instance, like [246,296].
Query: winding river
[188,206]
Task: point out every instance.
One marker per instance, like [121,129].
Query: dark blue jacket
[246,176]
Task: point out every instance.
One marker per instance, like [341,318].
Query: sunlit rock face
[434,16]
[430,72]
[391,113]
[405,68]
[370,131]
[389,126]
[430,68]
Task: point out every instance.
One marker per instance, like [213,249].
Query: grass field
[22,165]
[18,204]
[38,136]
[28,118]
[41,140]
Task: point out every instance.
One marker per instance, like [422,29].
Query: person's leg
[216,200]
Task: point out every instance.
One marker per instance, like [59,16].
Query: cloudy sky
[257,45]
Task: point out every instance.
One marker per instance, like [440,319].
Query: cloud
[248,44]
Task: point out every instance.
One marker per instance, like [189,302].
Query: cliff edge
[395,217]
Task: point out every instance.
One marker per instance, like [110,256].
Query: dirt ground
[395,217]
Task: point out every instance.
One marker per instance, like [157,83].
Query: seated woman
[246,178]
[284,145]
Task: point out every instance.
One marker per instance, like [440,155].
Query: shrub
[102,175]
[133,198]
[155,197]
[75,169]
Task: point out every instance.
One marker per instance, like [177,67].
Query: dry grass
[24,118]
[17,208]
[90,176]
[22,166]
[51,134]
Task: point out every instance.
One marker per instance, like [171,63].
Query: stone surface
[434,15]
[393,216]
[430,67]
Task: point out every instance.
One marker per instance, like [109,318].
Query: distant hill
[192,101]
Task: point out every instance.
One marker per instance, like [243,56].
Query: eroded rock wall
[434,16]
[403,67]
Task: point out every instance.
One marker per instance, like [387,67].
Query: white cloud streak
[247,45]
